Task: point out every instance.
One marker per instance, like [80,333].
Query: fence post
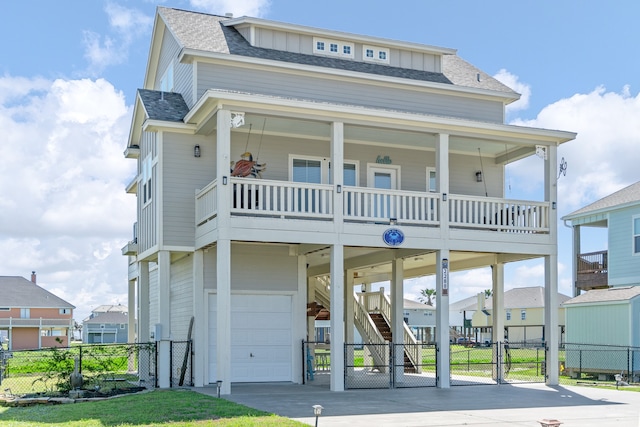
[392,374]
[80,359]
[580,364]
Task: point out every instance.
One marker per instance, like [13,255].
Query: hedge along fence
[103,366]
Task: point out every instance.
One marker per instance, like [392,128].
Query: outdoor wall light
[219,385]
[553,205]
[196,151]
[393,221]
[444,197]
[339,188]
[224,180]
[479,176]
[317,411]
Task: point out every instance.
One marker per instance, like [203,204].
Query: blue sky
[69,71]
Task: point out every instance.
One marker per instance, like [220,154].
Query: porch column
[299,329]
[442,183]
[443,367]
[143,302]
[337,318]
[311,320]
[337,173]
[498,317]
[163,327]
[198,337]
[551,270]
[574,262]
[223,253]
[131,308]
[397,316]
[349,336]
[551,318]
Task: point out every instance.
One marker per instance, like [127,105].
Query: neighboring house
[421,319]
[523,316]
[280,165]
[603,326]
[32,316]
[108,308]
[619,265]
[107,327]
[460,314]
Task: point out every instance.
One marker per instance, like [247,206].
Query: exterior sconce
[553,205]
[196,151]
[393,221]
[339,188]
[444,197]
[224,180]
[479,176]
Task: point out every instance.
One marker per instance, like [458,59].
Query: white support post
[574,262]
[144,327]
[337,173]
[337,318]
[442,182]
[348,318]
[498,318]
[397,317]
[223,319]
[164,317]
[299,330]
[551,319]
[198,335]
[443,367]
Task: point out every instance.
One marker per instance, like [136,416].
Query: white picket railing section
[284,199]
[515,216]
[374,204]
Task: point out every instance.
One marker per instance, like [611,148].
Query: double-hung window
[636,235]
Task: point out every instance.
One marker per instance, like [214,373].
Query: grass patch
[175,408]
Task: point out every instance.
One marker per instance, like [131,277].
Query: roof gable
[615,294]
[625,197]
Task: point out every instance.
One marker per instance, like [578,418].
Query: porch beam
[517,154]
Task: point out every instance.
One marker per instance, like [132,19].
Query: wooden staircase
[385,331]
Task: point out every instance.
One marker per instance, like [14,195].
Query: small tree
[488,293]
[426,296]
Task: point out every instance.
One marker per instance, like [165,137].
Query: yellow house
[523,316]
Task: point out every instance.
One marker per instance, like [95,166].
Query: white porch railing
[284,199]
[514,216]
[371,204]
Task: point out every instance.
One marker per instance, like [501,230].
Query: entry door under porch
[261,339]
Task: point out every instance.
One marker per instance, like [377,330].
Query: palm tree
[426,296]
[488,293]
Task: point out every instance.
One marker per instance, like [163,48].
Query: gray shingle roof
[606,295]
[166,106]
[627,195]
[18,292]
[109,317]
[199,31]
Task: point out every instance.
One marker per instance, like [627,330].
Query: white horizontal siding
[624,266]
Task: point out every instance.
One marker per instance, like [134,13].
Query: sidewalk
[477,406]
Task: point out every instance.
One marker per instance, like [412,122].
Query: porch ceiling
[375,264]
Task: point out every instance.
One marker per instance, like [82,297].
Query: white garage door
[260,338]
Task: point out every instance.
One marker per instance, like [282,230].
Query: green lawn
[175,408]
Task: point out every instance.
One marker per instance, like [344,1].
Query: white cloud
[512,81]
[604,156]
[126,25]
[254,8]
[63,208]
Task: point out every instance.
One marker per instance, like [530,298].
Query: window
[25,313]
[636,235]
[523,314]
[147,169]
[375,54]
[508,315]
[333,48]
[166,83]
[64,311]
[121,325]
[102,326]
[432,186]
[4,309]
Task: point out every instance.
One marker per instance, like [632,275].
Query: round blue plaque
[393,237]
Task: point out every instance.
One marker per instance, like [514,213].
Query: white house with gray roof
[618,263]
[281,165]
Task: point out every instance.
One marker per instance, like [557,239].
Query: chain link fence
[181,364]
[600,362]
[103,367]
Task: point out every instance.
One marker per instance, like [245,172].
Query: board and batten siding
[182,73]
[258,268]
[302,43]
[334,90]
[624,266]
[181,297]
[147,215]
[183,174]
[606,324]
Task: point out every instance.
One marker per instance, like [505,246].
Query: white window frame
[64,311]
[326,50]
[377,51]
[146,187]
[324,167]
[25,313]
[431,170]
[635,236]
[373,167]
[523,314]
[166,82]
[508,312]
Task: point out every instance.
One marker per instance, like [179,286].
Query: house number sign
[393,237]
[445,277]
